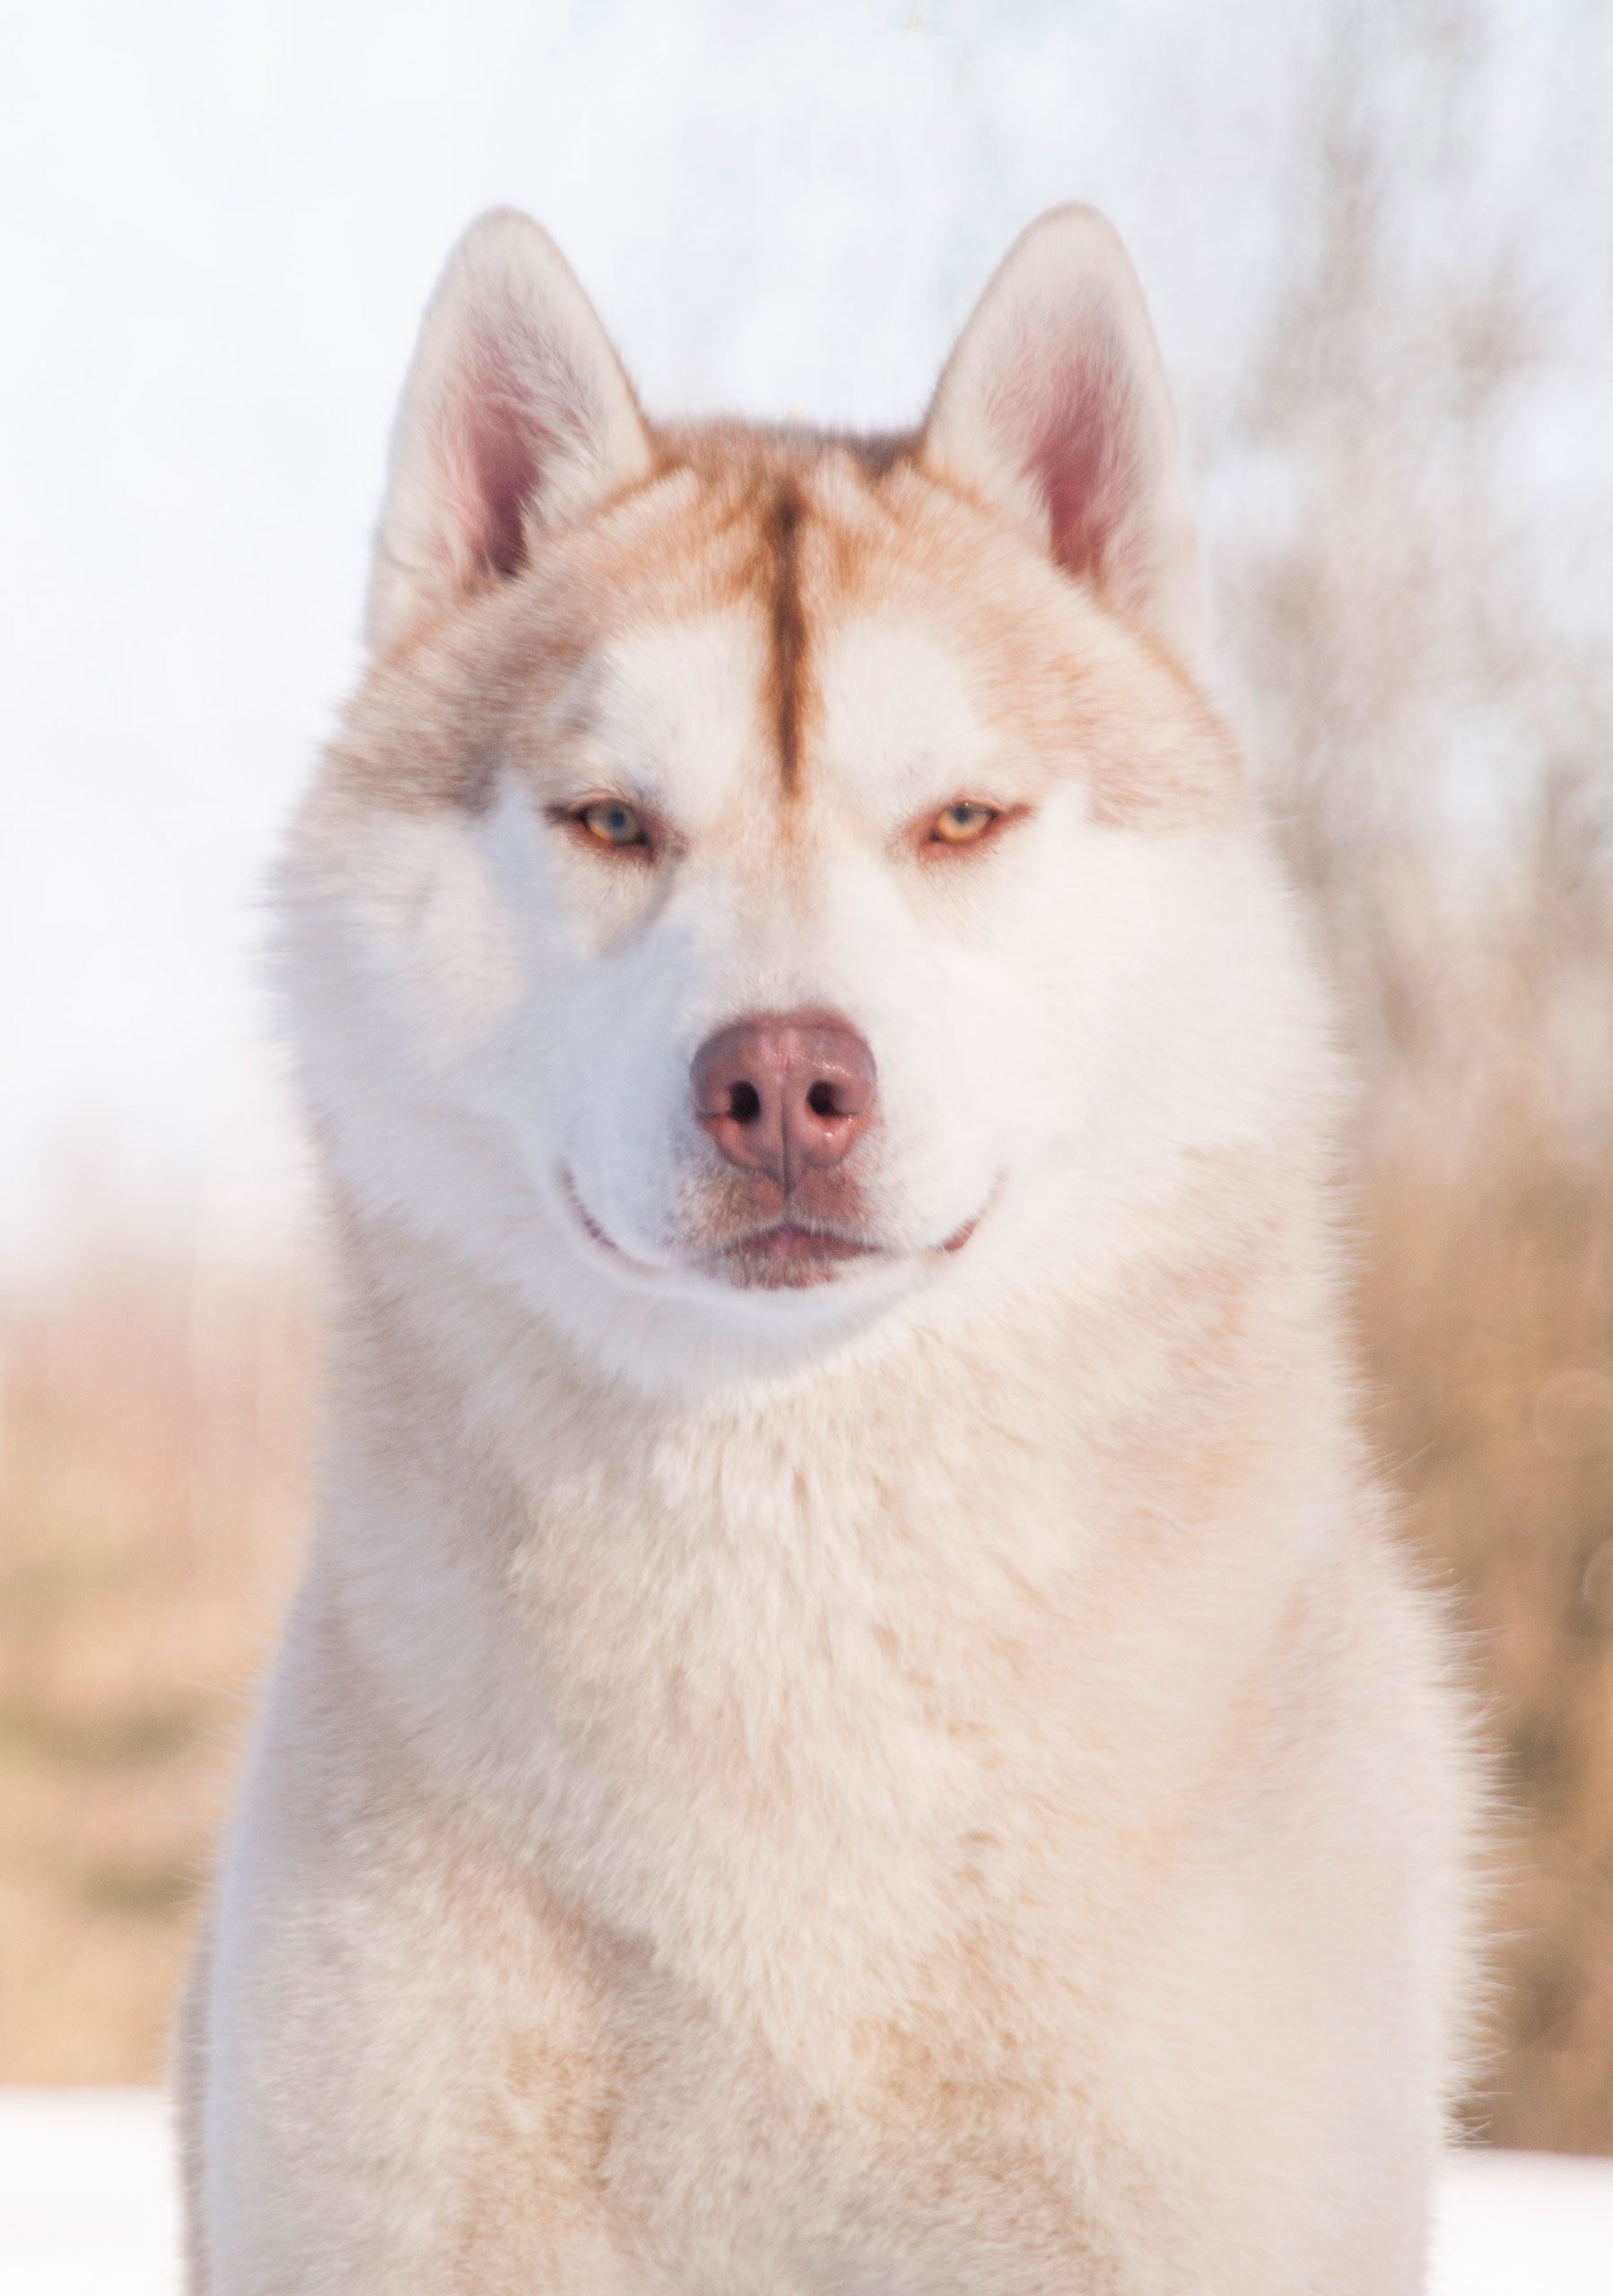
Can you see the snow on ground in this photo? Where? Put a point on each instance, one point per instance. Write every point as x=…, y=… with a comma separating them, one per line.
x=87, y=2200
x=88, y=2207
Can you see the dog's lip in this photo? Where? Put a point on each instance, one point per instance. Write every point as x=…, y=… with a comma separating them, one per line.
x=791, y=1240
x=785, y=1241
x=786, y=1255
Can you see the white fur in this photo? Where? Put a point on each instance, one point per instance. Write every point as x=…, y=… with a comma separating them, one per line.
x=934, y=1782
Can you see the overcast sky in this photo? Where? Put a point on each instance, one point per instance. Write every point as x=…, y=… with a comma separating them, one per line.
x=218, y=224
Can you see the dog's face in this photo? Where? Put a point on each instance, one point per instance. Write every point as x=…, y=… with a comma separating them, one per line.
x=758, y=872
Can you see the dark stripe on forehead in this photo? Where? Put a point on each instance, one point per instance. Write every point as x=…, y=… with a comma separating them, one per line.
x=789, y=630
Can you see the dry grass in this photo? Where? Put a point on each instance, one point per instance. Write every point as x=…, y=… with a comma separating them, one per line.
x=152, y=1448
x=1408, y=649
x=1487, y=1323
x=1490, y=1322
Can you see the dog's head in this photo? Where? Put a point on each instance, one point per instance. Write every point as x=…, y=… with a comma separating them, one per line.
x=762, y=874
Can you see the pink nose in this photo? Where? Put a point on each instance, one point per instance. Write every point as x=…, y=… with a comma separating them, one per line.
x=784, y=1094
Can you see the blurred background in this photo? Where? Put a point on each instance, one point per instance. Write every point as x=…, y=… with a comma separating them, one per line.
x=1376, y=241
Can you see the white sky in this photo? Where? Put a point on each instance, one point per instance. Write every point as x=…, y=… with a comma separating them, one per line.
x=218, y=224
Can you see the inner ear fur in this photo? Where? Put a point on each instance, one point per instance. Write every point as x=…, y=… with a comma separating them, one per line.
x=516, y=416
x=1053, y=411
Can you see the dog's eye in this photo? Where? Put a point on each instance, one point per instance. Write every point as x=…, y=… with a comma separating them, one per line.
x=612, y=821
x=962, y=823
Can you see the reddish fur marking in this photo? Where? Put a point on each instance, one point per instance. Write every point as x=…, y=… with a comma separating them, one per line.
x=789, y=629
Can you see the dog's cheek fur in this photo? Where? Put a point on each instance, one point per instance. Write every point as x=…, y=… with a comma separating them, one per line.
x=406, y=949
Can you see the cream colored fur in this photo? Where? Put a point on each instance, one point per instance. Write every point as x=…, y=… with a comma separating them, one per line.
x=935, y=1781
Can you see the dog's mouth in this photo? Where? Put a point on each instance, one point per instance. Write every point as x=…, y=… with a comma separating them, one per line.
x=782, y=1256
x=788, y=1258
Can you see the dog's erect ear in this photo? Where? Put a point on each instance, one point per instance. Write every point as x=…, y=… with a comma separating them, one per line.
x=516, y=415
x=1053, y=409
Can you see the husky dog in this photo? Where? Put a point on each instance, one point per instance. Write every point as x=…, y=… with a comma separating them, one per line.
x=855, y=1726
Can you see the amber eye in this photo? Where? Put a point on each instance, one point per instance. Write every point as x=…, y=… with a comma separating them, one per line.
x=962, y=823
x=612, y=821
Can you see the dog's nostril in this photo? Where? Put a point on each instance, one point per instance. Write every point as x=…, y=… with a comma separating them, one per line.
x=820, y=1100
x=745, y=1103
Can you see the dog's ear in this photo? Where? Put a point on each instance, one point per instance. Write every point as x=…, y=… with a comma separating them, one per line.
x=516, y=415
x=1053, y=410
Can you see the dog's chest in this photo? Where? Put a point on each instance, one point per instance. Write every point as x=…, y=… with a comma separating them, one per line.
x=800, y=1742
